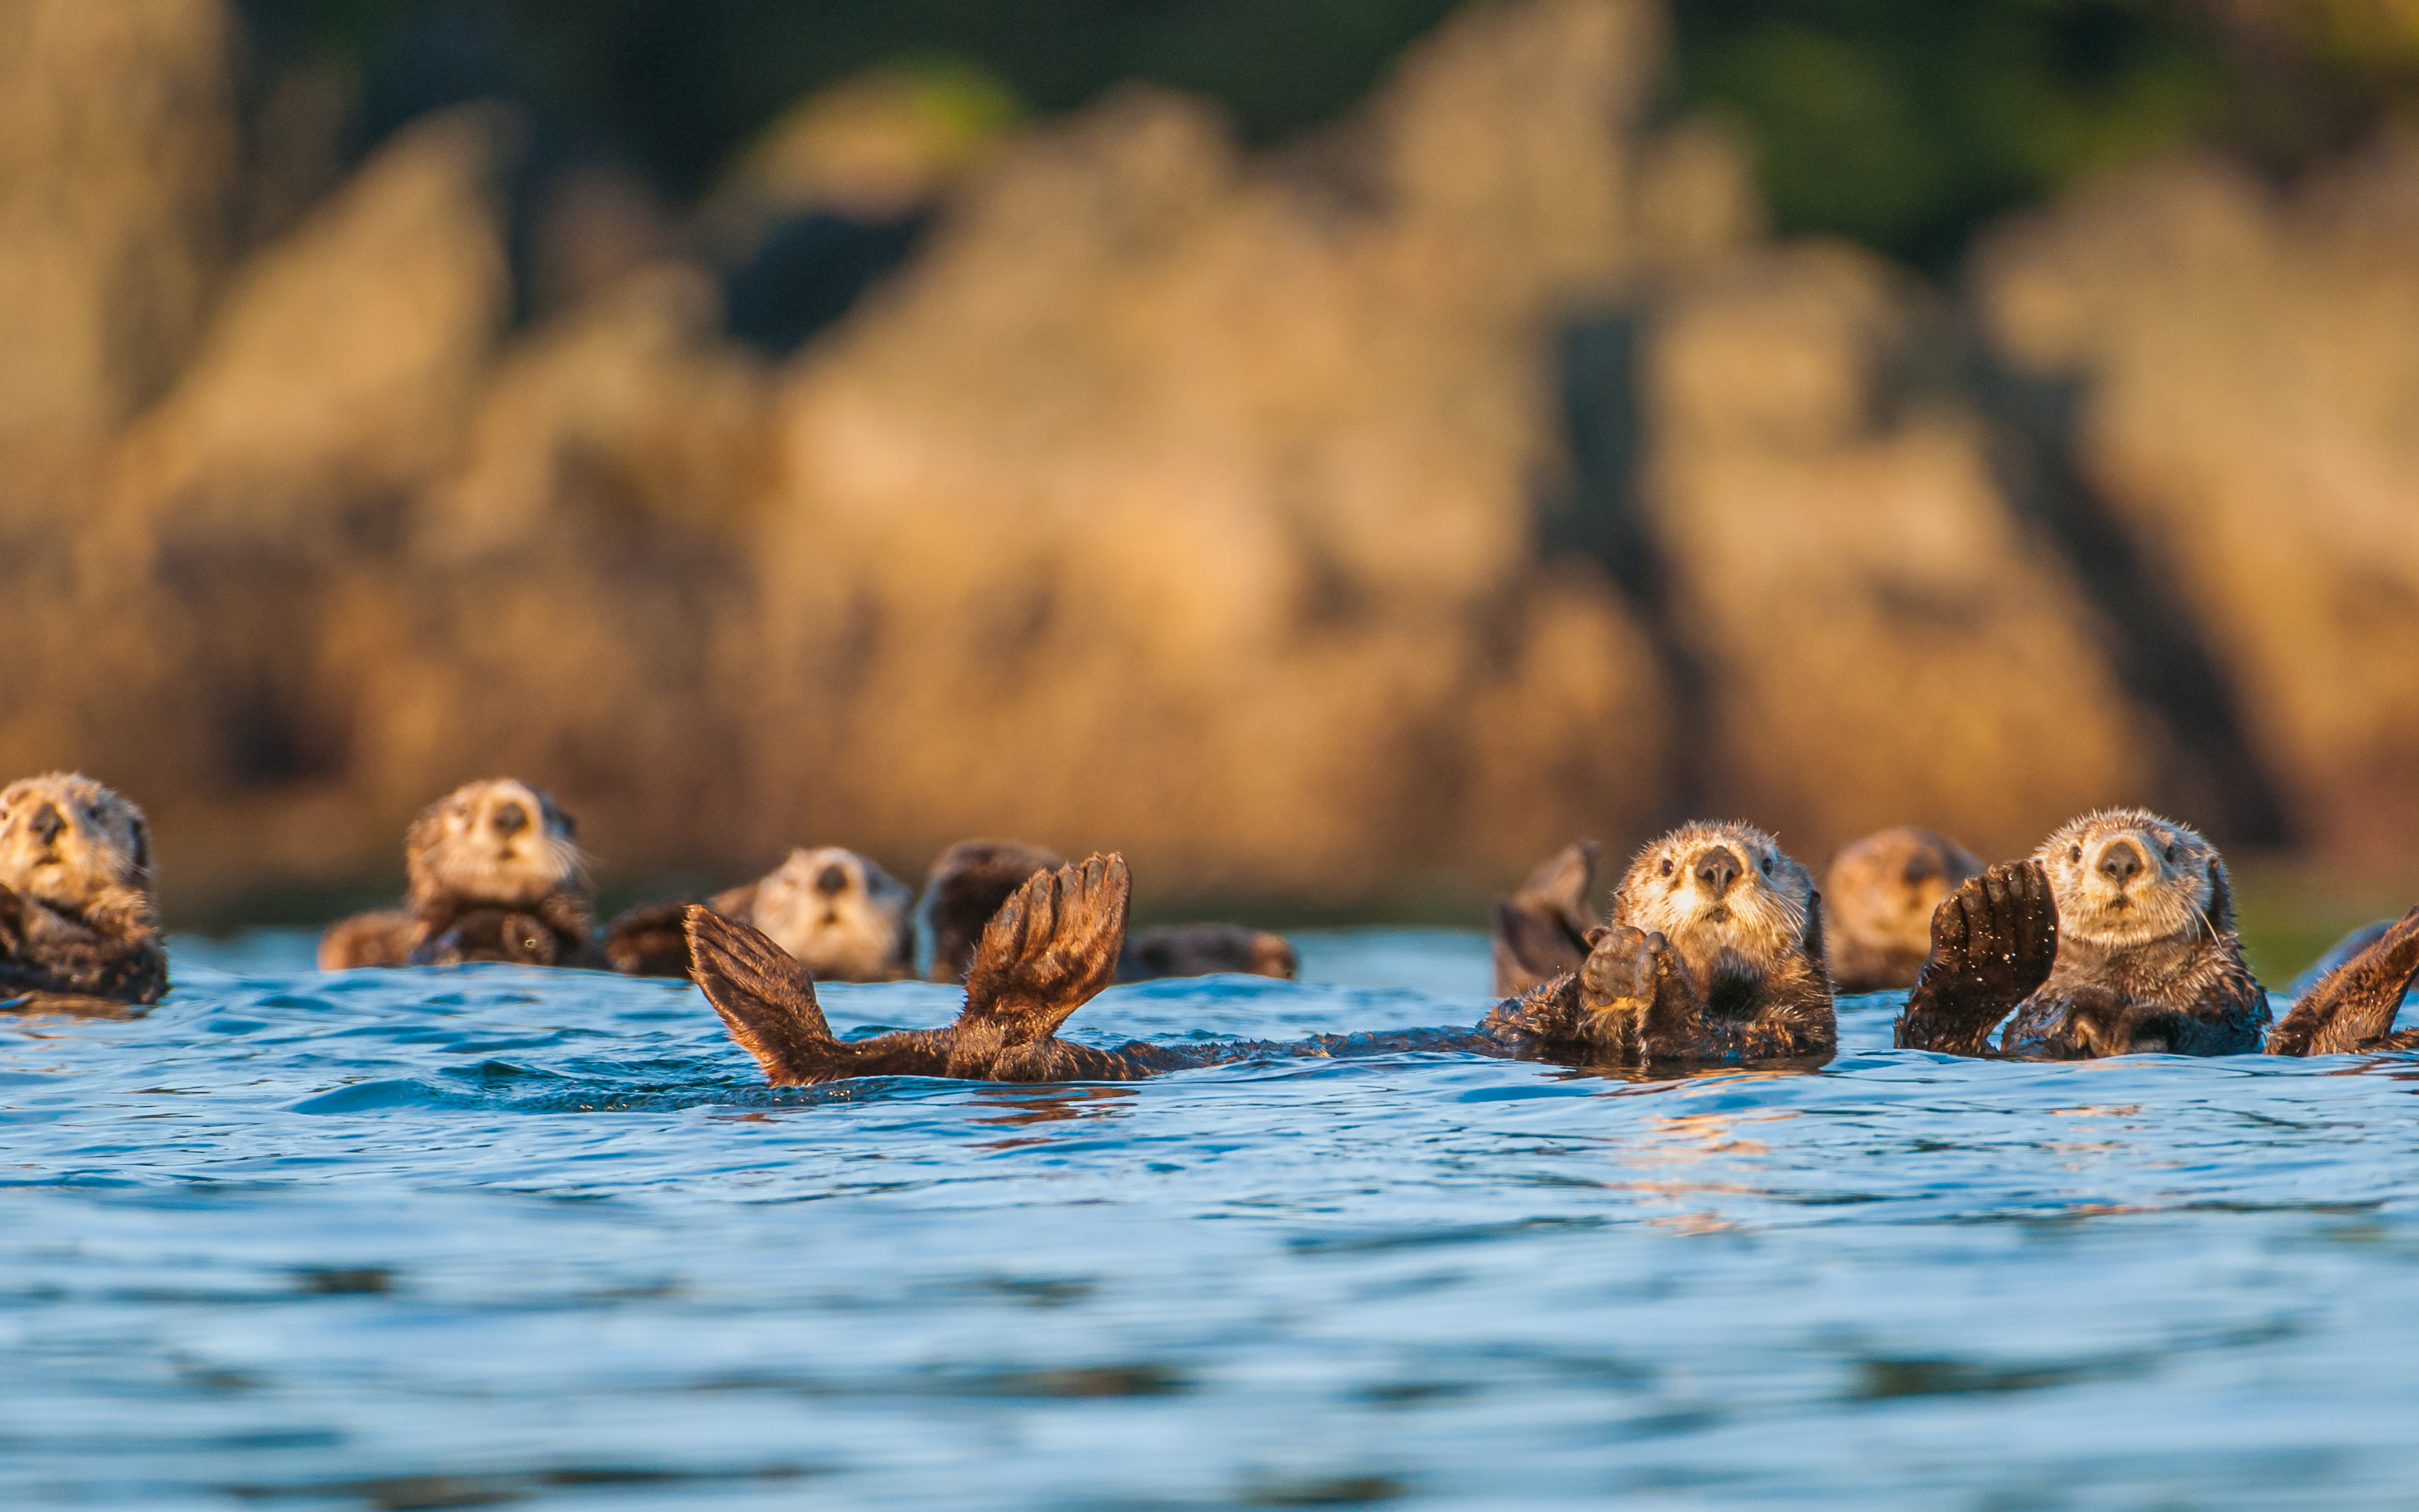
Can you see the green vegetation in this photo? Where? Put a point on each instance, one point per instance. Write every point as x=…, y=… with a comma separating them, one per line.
x=1901, y=123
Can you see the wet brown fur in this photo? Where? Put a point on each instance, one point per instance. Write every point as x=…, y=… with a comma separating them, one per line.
x=2116, y=937
x=78, y=932
x=2351, y=1009
x=969, y=882
x=1714, y=955
x=1047, y=950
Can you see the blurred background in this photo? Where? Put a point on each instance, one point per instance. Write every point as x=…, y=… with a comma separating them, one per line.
x=1336, y=450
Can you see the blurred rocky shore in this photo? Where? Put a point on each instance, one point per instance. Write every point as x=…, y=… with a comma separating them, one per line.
x=1402, y=501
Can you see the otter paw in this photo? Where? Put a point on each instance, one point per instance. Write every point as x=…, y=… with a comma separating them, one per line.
x=1998, y=931
x=1620, y=972
x=1993, y=941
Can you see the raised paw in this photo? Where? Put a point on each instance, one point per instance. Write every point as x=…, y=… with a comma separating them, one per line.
x=1993, y=941
x=1998, y=931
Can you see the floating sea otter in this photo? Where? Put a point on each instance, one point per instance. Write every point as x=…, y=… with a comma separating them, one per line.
x=974, y=878
x=1714, y=956
x=1879, y=894
x=494, y=875
x=2118, y=938
x=77, y=931
x=843, y=915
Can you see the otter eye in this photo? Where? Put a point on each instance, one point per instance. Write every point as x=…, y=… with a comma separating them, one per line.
x=2075, y=855
x=1667, y=866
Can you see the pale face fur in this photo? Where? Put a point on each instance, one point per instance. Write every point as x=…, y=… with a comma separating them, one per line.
x=1880, y=892
x=496, y=841
x=837, y=913
x=1725, y=895
x=2126, y=876
x=68, y=842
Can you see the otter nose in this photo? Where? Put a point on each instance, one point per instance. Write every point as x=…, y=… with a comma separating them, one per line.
x=1719, y=868
x=510, y=820
x=831, y=879
x=47, y=823
x=2121, y=861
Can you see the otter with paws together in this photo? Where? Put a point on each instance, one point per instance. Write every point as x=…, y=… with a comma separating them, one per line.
x=77, y=931
x=494, y=875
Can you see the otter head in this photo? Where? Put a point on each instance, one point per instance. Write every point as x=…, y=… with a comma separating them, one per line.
x=68, y=841
x=1879, y=894
x=1725, y=895
x=2126, y=876
x=496, y=841
x=837, y=913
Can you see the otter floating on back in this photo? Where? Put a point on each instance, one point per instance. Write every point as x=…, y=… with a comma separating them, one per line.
x=1727, y=969
x=839, y=912
x=1878, y=897
x=495, y=874
x=2117, y=937
x=78, y=933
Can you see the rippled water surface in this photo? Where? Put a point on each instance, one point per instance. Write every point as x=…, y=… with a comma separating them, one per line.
x=485, y=1236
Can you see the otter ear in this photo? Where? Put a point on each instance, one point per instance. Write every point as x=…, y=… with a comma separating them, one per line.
x=1814, y=927
x=141, y=831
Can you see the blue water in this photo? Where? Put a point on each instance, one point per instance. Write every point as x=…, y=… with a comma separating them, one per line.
x=487, y=1236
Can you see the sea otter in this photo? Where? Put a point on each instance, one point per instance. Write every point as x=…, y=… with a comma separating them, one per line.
x=1715, y=953
x=968, y=884
x=1727, y=970
x=495, y=874
x=1159, y=950
x=78, y=934
x=835, y=911
x=2117, y=937
x=972, y=879
x=1878, y=897
x=1541, y=931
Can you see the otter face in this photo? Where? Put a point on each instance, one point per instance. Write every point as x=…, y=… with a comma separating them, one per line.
x=1718, y=888
x=2126, y=876
x=66, y=840
x=1880, y=892
x=496, y=841
x=845, y=918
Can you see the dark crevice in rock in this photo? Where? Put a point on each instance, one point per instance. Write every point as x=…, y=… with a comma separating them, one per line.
x=2157, y=653
x=1598, y=512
